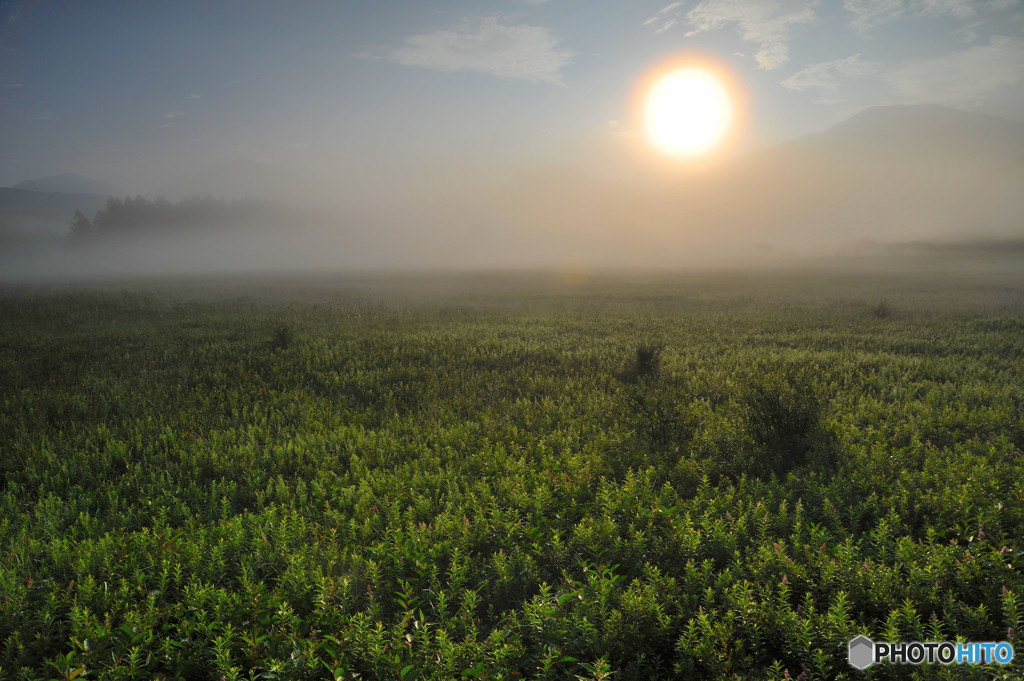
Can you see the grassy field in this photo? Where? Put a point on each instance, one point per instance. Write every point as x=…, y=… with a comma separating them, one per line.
x=507, y=476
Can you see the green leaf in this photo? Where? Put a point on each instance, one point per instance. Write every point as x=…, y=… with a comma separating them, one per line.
x=566, y=597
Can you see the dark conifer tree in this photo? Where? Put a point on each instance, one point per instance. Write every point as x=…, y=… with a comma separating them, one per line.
x=81, y=226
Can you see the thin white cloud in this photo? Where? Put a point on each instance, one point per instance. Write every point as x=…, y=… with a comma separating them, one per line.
x=767, y=23
x=170, y=117
x=826, y=75
x=966, y=78
x=961, y=9
x=487, y=45
x=868, y=14
x=969, y=33
x=665, y=18
x=194, y=96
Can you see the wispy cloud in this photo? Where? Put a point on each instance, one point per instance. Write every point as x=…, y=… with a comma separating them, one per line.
x=767, y=23
x=948, y=8
x=665, y=18
x=12, y=85
x=826, y=75
x=170, y=117
x=966, y=78
x=868, y=14
x=194, y=96
x=42, y=116
x=487, y=45
x=969, y=33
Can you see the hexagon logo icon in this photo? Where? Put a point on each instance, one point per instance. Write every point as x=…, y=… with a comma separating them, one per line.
x=862, y=652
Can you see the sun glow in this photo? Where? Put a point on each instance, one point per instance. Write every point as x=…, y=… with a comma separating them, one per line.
x=687, y=112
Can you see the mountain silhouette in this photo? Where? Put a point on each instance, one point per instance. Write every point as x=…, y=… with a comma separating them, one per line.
x=69, y=183
x=893, y=173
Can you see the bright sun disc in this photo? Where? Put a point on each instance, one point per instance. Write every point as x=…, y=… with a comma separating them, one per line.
x=687, y=112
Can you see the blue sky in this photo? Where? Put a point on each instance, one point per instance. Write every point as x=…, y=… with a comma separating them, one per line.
x=140, y=92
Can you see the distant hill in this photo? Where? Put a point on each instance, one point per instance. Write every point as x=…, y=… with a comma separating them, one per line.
x=916, y=174
x=898, y=172
x=927, y=127
x=30, y=220
x=887, y=174
x=69, y=183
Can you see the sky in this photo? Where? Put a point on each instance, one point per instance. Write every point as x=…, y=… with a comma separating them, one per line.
x=140, y=93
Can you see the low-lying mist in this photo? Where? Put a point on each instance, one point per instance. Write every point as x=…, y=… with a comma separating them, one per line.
x=889, y=177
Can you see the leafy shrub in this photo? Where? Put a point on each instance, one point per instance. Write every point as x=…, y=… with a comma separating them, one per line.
x=883, y=309
x=662, y=415
x=785, y=417
x=646, y=363
x=282, y=336
x=661, y=412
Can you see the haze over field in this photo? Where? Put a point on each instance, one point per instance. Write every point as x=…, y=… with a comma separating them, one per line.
x=509, y=134
x=511, y=339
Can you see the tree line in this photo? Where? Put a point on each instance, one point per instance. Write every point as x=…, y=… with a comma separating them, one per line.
x=137, y=216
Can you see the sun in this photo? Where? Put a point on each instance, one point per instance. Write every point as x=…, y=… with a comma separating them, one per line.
x=687, y=111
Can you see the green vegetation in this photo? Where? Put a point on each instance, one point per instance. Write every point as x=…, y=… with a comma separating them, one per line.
x=131, y=218
x=701, y=477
